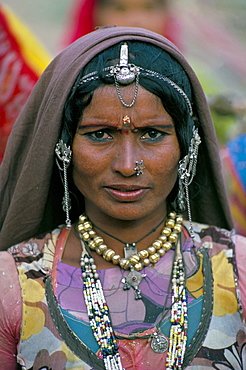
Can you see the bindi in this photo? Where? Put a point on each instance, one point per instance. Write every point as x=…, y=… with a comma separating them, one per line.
x=127, y=125
x=126, y=121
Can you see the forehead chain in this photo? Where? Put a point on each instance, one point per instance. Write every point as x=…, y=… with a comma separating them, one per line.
x=125, y=73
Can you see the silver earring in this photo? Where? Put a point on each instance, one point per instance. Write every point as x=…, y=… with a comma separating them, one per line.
x=64, y=154
x=180, y=201
x=124, y=74
x=139, y=167
x=186, y=173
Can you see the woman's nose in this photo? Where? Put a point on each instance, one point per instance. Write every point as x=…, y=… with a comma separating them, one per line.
x=125, y=159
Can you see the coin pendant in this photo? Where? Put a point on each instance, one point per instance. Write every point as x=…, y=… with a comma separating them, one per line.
x=159, y=343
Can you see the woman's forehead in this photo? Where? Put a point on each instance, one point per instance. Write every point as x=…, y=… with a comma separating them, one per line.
x=106, y=109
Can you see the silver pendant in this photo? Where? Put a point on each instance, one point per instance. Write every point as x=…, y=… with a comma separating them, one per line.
x=130, y=249
x=132, y=280
x=125, y=76
x=159, y=343
x=124, y=72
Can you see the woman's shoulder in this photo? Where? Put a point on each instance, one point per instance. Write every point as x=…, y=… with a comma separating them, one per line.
x=240, y=243
x=227, y=249
x=33, y=247
x=7, y=263
x=217, y=239
x=10, y=297
x=8, y=273
x=33, y=257
x=217, y=235
x=29, y=254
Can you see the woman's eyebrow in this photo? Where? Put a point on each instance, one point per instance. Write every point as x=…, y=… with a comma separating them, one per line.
x=168, y=125
x=95, y=125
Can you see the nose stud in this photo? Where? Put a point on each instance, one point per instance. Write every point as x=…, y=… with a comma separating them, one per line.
x=139, y=167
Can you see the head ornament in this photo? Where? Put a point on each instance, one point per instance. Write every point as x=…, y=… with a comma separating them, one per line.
x=125, y=73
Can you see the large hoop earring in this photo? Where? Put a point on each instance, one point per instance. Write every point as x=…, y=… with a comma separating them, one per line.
x=64, y=154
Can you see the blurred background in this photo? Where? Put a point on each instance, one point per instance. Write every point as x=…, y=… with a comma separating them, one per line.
x=211, y=34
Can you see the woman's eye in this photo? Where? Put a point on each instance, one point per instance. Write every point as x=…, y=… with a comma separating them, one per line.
x=153, y=135
x=100, y=135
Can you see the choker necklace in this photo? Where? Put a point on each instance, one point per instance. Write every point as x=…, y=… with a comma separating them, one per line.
x=138, y=260
x=130, y=248
x=134, y=262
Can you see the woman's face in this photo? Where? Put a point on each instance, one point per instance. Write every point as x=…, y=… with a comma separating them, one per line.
x=134, y=13
x=105, y=154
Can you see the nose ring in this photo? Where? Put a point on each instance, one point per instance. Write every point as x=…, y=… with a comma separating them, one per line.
x=139, y=167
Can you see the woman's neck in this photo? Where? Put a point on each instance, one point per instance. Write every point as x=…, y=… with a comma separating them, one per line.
x=144, y=229
x=115, y=233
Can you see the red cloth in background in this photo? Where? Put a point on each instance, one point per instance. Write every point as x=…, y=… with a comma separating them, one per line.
x=17, y=75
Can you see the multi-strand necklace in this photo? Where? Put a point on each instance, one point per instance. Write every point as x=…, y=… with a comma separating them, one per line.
x=97, y=308
x=133, y=260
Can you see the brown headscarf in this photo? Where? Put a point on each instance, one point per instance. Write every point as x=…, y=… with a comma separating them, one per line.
x=30, y=194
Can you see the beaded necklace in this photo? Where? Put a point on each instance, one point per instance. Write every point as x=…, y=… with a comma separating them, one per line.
x=136, y=261
x=98, y=314
x=97, y=308
x=179, y=317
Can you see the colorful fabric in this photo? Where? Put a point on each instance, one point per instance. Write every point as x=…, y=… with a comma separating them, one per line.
x=22, y=60
x=221, y=346
x=234, y=164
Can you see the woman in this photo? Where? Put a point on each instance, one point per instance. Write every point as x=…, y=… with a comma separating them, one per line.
x=85, y=15
x=117, y=133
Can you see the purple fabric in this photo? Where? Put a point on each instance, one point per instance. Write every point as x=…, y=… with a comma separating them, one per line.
x=127, y=314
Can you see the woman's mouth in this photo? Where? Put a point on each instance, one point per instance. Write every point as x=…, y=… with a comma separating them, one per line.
x=124, y=193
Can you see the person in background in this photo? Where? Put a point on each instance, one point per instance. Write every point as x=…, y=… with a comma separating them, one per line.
x=156, y=15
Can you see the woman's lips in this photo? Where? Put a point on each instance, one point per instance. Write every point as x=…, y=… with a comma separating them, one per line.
x=126, y=193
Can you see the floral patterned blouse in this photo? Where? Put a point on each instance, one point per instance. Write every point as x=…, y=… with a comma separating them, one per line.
x=44, y=322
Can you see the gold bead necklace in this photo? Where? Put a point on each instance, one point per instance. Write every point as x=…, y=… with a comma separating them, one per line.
x=136, y=261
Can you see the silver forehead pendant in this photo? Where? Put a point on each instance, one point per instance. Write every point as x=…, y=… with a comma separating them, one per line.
x=124, y=74
x=159, y=343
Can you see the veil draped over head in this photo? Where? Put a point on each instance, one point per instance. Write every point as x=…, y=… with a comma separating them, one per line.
x=30, y=187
